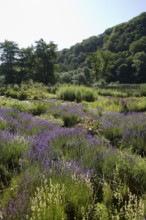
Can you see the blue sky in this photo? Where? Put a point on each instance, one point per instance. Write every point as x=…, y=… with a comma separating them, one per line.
x=65, y=22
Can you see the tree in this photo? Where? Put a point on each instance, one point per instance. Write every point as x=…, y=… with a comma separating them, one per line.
x=79, y=79
x=66, y=77
x=44, y=61
x=103, y=65
x=9, y=56
x=74, y=63
x=125, y=70
x=139, y=63
x=87, y=75
x=26, y=63
x=138, y=46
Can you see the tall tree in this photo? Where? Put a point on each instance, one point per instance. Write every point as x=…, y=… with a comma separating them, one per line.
x=26, y=63
x=9, y=55
x=103, y=65
x=44, y=61
x=139, y=63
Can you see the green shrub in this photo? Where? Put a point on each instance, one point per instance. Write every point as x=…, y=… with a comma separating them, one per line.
x=133, y=105
x=143, y=89
x=22, y=95
x=57, y=198
x=20, y=106
x=76, y=93
x=101, y=212
x=111, y=92
x=3, y=124
x=12, y=93
x=5, y=177
x=119, y=202
x=38, y=108
x=11, y=151
x=48, y=201
x=113, y=134
x=70, y=120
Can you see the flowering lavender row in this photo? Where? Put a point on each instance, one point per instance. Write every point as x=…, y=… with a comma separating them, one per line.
x=31, y=147
x=126, y=131
x=23, y=123
x=51, y=141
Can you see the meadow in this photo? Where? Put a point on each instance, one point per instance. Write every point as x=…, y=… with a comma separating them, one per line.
x=72, y=152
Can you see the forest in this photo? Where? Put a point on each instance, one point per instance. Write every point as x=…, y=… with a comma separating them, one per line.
x=117, y=55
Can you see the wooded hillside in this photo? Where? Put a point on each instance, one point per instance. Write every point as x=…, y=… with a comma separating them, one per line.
x=117, y=55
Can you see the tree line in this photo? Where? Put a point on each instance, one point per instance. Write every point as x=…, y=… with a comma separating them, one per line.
x=34, y=62
x=117, y=55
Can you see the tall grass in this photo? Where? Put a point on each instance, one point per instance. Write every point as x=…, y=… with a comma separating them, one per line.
x=143, y=89
x=76, y=93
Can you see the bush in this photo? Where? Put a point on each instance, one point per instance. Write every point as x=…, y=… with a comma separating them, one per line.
x=5, y=177
x=76, y=93
x=70, y=120
x=16, y=93
x=143, y=89
x=38, y=108
x=57, y=200
x=22, y=95
x=12, y=148
x=11, y=93
x=119, y=202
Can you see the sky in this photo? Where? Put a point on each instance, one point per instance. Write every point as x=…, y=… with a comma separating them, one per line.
x=65, y=22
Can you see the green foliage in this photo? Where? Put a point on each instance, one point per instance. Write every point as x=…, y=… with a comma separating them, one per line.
x=5, y=176
x=38, y=108
x=9, y=53
x=11, y=92
x=69, y=147
x=77, y=56
x=12, y=150
x=49, y=196
x=143, y=89
x=139, y=64
x=29, y=90
x=109, y=56
x=57, y=200
x=113, y=134
x=112, y=92
x=101, y=212
x=48, y=202
x=70, y=120
x=118, y=54
x=133, y=105
x=138, y=46
x=35, y=63
x=119, y=202
x=76, y=93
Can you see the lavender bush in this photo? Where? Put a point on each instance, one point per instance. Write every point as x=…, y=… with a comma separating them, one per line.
x=80, y=166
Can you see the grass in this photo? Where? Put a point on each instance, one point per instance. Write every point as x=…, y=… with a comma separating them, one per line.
x=119, y=90
x=143, y=89
x=115, y=104
x=76, y=93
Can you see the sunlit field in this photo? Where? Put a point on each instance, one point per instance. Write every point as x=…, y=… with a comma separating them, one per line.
x=78, y=153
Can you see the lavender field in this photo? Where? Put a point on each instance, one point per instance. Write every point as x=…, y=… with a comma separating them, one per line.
x=62, y=160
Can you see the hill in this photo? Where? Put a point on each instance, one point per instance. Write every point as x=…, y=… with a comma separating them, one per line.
x=118, y=54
